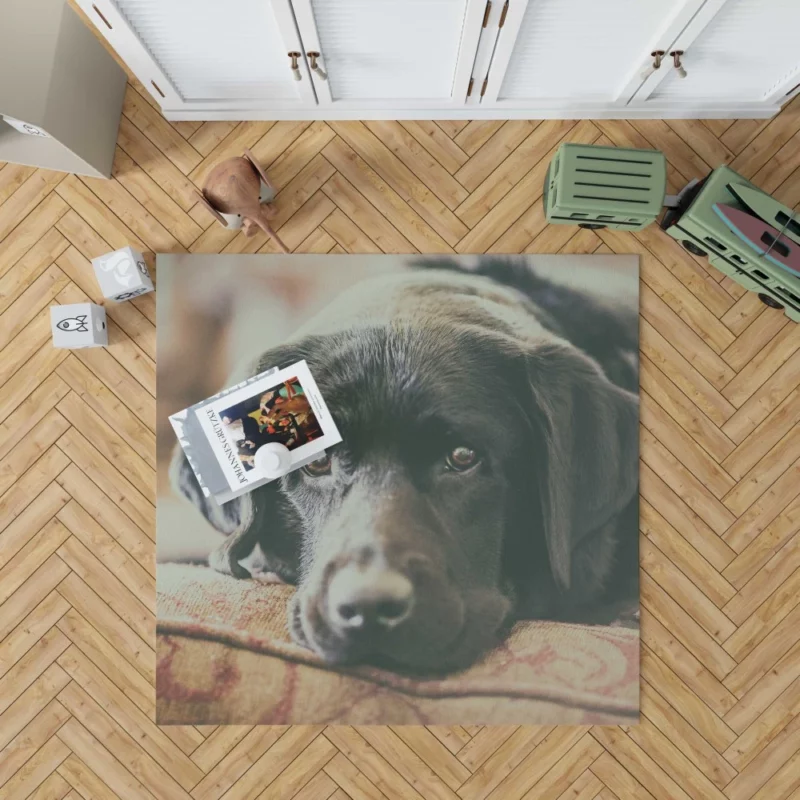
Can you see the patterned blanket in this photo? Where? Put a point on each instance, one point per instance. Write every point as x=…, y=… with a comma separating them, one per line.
x=224, y=656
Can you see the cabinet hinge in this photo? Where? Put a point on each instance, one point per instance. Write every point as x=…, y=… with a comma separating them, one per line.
x=487, y=12
x=483, y=88
x=503, y=15
x=469, y=88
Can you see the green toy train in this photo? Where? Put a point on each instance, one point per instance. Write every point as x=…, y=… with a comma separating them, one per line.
x=597, y=187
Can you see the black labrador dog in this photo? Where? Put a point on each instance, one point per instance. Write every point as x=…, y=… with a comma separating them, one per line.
x=488, y=470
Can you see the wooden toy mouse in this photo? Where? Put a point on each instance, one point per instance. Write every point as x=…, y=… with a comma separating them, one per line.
x=233, y=189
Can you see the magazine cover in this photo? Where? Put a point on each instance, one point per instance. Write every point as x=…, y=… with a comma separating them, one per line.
x=282, y=406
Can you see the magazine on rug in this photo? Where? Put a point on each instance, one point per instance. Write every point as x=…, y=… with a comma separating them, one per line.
x=222, y=434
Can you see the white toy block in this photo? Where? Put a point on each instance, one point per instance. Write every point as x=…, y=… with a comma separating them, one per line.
x=122, y=274
x=78, y=325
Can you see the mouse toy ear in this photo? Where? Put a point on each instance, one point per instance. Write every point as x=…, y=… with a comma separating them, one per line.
x=257, y=167
x=213, y=211
x=590, y=429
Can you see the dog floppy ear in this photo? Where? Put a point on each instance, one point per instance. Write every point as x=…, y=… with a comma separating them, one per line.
x=229, y=518
x=259, y=517
x=233, y=519
x=590, y=429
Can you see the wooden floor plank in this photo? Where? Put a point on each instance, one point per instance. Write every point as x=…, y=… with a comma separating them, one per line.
x=84, y=781
x=763, y=583
x=209, y=135
x=423, y=219
x=25, y=199
x=685, y=413
x=298, y=153
x=690, y=742
x=682, y=555
x=487, y=194
x=160, y=132
x=365, y=216
x=19, y=278
x=30, y=231
x=768, y=616
x=419, y=161
x=682, y=446
x=109, y=771
x=105, y=657
x=510, y=753
x=475, y=134
x=437, y=143
x=153, y=161
x=492, y=154
x=120, y=745
x=12, y=176
x=777, y=390
x=127, y=570
x=32, y=737
x=90, y=605
x=152, y=197
x=236, y=762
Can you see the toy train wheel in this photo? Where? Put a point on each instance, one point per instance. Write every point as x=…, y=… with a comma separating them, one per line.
x=592, y=226
x=769, y=301
x=693, y=248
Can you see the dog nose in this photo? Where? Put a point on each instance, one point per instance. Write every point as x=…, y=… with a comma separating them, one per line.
x=363, y=598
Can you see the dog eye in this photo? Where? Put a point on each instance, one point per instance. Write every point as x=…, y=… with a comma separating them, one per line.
x=462, y=458
x=318, y=468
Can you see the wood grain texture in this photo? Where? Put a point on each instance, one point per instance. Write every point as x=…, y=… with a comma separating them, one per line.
x=720, y=511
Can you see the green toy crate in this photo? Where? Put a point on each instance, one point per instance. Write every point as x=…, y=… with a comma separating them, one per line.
x=695, y=224
x=605, y=187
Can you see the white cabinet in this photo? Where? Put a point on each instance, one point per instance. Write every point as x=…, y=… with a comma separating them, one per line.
x=306, y=59
x=379, y=53
x=208, y=54
x=554, y=52
x=735, y=51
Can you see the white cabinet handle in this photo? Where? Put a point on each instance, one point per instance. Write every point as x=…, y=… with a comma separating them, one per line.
x=294, y=65
x=676, y=60
x=313, y=56
x=657, y=55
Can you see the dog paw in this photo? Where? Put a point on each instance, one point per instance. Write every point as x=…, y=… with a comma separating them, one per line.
x=222, y=560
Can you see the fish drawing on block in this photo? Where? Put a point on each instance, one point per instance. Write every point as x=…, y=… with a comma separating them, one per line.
x=74, y=324
x=763, y=238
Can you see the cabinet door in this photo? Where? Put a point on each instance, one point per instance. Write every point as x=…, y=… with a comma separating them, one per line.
x=390, y=53
x=207, y=53
x=561, y=53
x=745, y=51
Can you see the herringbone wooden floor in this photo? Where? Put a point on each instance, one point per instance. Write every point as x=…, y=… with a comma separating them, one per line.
x=720, y=468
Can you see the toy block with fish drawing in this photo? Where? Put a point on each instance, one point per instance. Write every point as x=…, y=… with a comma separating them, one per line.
x=78, y=325
x=122, y=275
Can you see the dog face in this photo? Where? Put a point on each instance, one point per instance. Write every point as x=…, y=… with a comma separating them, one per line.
x=477, y=457
x=403, y=523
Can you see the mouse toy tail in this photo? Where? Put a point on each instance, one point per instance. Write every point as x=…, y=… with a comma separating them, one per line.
x=263, y=223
